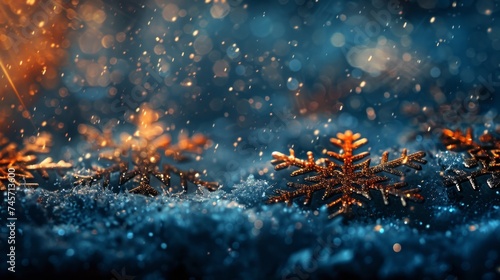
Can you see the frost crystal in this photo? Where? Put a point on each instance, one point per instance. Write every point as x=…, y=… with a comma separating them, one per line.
x=347, y=180
x=485, y=155
x=23, y=161
x=142, y=151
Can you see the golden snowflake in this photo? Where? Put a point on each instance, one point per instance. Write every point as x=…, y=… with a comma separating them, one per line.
x=22, y=162
x=484, y=156
x=345, y=181
x=143, y=150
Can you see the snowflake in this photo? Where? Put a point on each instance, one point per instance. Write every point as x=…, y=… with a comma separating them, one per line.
x=22, y=162
x=485, y=155
x=142, y=150
x=345, y=181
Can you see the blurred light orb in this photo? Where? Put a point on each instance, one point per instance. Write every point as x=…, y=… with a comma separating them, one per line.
x=486, y=7
x=240, y=70
x=427, y=4
x=203, y=45
x=90, y=41
x=170, y=12
x=221, y=68
x=261, y=27
x=233, y=51
x=292, y=83
x=435, y=72
x=295, y=65
x=337, y=40
x=220, y=10
x=371, y=60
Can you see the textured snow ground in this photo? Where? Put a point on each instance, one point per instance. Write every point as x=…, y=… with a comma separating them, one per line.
x=232, y=234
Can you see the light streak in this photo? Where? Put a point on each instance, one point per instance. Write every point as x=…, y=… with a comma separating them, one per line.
x=13, y=86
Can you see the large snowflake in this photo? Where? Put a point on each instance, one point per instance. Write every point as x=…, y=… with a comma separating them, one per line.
x=143, y=151
x=345, y=181
x=484, y=156
x=21, y=162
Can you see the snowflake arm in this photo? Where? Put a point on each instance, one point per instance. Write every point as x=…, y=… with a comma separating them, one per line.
x=47, y=164
x=395, y=190
x=100, y=174
x=456, y=140
x=299, y=190
x=165, y=177
x=461, y=176
x=186, y=145
x=282, y=161
x=97, y=138
x=413, y=161
x=344, y=204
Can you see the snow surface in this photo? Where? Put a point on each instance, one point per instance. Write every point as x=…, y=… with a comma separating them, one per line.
x=232, y=234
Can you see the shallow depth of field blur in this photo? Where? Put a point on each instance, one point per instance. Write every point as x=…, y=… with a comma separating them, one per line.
x=254, y=77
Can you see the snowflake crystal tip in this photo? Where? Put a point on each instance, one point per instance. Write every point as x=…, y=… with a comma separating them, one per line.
x=485, y=155
x=345, y=181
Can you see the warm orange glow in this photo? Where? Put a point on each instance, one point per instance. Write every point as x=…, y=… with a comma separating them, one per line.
x=32, y=45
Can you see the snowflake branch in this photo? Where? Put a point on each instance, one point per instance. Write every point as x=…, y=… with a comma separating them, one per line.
x=23, y=160
x=99, y=173
x=282, y=161
x=395, y=190
x=405, y=159
x=346, y=202
x=301, y=190
x=463, y=176
x=456, y=140
x=185, y=144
